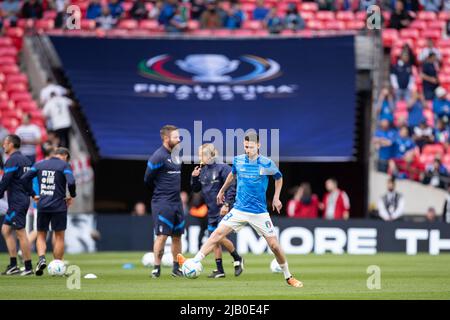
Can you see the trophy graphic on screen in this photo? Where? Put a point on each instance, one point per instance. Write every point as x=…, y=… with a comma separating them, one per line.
x=208, y=67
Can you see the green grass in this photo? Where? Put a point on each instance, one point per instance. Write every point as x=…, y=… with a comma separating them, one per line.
x=324, y=277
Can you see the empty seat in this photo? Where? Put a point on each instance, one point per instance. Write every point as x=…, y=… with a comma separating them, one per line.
x=309, y=6
x=433, y=149
x=409, y=33
x=325, y=15
x=426, y=15
x=128, y=24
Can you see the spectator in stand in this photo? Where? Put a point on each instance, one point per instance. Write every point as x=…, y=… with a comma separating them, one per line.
x=386, y=105
x=52, y=139
x=50, y=87
x=404, y=145
x=57, y=110
x=177, y=23
x=138, y=11
x=441, y=133
x=304, y=204
x=412, y=57
x=400, y=18
x=431, y=216
x=30, y=134
x=140, y=209
x=335, y=204
x=116, y=9
x=235, y=17
x=415, y=110
x=402, y=79
x=9, y=11
x=106, y=21
x=430, y=48
x=94, y=10
x=431, y=5
x=392, y=204
x=441, y=105
x=365, y=4
x=3, y=133
x=423, y=134
x=412, y=5
x=326, y=5
x=32, y=9
x=274, y=23
x=446, y=210
x=60, y=6
x=293, y=20
x=197, y=9
x=384, y=139
x=168, y=11
x=261, y=11
x=436, y=174
x=430, y=80
x=156, y=10
x=210, y=18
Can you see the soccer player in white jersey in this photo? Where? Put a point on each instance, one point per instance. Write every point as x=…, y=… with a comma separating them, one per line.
x=252, y=172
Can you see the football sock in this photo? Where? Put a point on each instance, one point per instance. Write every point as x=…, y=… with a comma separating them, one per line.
x=285, y=269
x=235, y=255
x=219, y=265
x=41, y=258
x=199, y=256
x=176, y=266
x=28, y=265
x=157, y=267
x=12, y=261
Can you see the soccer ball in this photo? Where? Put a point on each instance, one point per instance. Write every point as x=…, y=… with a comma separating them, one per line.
x=56, y=268
x=275, y=267
x=148, y=260
x=192, y=268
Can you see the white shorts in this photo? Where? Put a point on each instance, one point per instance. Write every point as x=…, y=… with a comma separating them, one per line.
x=261, y=222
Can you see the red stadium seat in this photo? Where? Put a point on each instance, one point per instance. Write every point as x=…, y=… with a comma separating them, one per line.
x=418, y=24
x=334, y=25
x=409, y=33
x=50, y=15
x=432, y=33
x=315, y=25
x=355, y=25
x=345, y=16
x=127, y=6
x=222, y=32
x=27, y=106
x=20, y=96
x=361, y=15
x=400, y=116
x=251, y=25
x=389, y=37
x=429, y=116
x=5, y=42
x=427, y=159
x=8, y=60
x=436, y=24
x=44, y=24
x=325, y=15
x=9, y=69
x=194, y=25
x=433, y=149
x=443, y=43
x=128, y=24
x=309, y=6
x=401, y=105
x=14, y=32
x=149, y=25
x=444, y=15
x=8, y=51
x=87, y=24
x=25, y=23
x=17, y=78
x=426, y=15
x=11, y=87
x=287, y=32
x=202, y=32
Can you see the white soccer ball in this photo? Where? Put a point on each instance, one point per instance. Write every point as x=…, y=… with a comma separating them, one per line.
x=148, y=260
x=275, y=267
x=167, y=260
x=192, y=268
x=56, y=268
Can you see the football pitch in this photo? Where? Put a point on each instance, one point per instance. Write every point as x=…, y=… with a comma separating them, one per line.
x=324, y=277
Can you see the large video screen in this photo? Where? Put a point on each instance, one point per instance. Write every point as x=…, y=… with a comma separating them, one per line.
x=300, y=91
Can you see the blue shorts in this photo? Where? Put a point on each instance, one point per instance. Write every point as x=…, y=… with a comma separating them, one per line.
x=168, y=219
x=17, y=219
x=58, y=221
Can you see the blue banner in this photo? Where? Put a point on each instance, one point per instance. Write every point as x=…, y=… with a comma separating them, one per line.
x=130, y=88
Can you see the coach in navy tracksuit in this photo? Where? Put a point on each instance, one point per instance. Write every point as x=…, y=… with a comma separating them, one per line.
x=209, y=178
x=18, y=203
x=54, y=176
x=163, y=174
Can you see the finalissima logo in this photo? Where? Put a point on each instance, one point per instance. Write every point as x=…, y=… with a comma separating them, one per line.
x=209, y=68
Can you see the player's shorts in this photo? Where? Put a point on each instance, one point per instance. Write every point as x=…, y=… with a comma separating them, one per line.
x=58, y=221
x=17, y=219
x=261, y=223
x=213, y=223
x=168, y=219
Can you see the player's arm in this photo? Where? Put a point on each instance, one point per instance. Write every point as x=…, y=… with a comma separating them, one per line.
x=228, y=182
x=230, y=194
x=71, y=183
x=195, y=179
x=8, y=174
x=276, y=203
x=26, y=180
x=154, y=165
